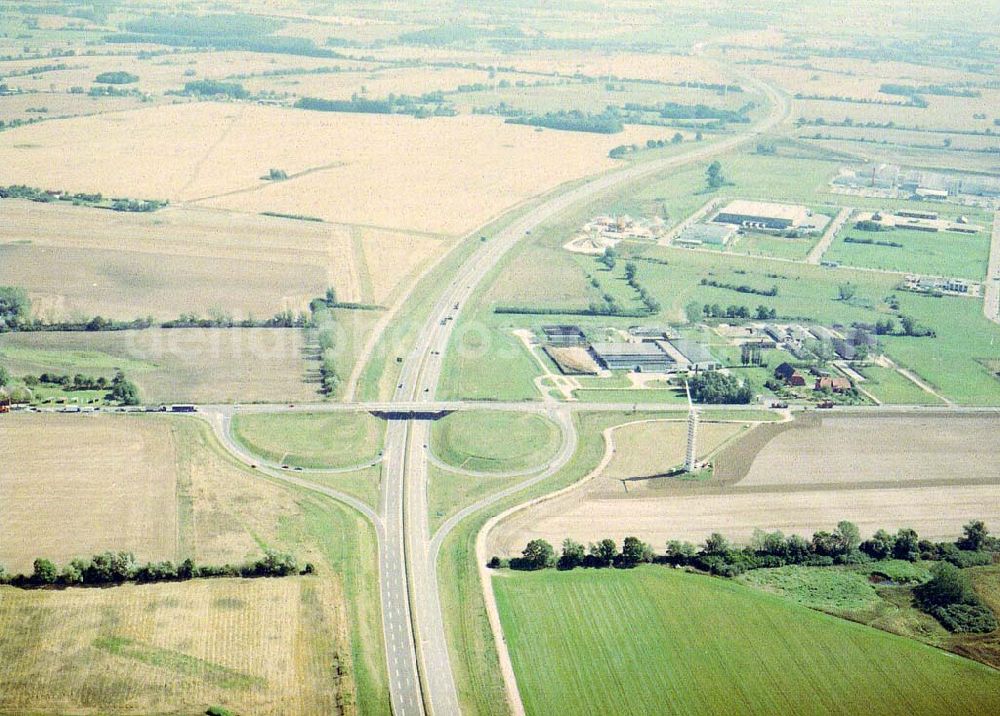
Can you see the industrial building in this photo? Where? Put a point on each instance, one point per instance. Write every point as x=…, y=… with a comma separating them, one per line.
x=764, y=215
x=708, y=234
x=645, y=357
x=697, y=356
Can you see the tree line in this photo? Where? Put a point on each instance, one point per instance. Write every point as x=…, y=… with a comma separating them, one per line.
x=740, y=288
x=115, y=568
x=948, y=595
x=95, y=200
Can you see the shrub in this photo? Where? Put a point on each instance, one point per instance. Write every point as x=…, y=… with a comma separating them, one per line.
x=966, y=558
x=966, y=618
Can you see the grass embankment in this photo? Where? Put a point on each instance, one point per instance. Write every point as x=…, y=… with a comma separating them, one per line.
x=490, y=441
x=891, y=387
x=314, y=440
x=470, y=639
x=449, y=492
x=885, y=602
x=654, y=639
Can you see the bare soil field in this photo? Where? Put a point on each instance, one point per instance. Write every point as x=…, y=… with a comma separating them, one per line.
x=798, y=479
x=76, y=485
x=262, y=646
x=188, y=364
x=343, y=167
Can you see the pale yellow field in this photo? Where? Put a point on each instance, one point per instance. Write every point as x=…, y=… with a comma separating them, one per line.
x=436, y=175
x=956, y=448
x=390, y=257
x=937, y=513
x=373, y=83
x=190, y=364
x=653, y=448
x=261, y=646
x=933, y=474
x=77, y=261
x=161, y=74
x=59, y=104
x=76, y=485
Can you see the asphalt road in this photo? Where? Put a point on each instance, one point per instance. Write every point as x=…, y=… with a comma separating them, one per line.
x=418, y=382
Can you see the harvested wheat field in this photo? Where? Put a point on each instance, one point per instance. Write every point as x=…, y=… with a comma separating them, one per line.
x=384, y=170
x=931, y=473
x=190, y=365
x=80, y=261
x=846, y=450
x=261, y=646
x=76, y=485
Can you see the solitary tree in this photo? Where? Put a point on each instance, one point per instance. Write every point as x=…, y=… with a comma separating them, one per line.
x=716, y=544
x=538, y=554
x=4, y=376
x=848, y=536
x=572, y=555
x=974, y=536
x=906, y=545
x=604, y=552
x=635, y=551
x=846, y=291
x=713, y=175
x=44, y=572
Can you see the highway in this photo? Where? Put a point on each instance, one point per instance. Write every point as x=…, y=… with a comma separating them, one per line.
x=417, y=658
x=418, y=382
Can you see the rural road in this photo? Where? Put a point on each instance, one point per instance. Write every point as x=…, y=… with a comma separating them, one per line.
x=816, y=255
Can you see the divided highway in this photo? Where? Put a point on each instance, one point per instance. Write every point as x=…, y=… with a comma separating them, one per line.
x=418, y=382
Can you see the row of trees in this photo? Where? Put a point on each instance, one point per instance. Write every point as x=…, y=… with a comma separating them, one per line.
x=741, y=288
x=573, y=121
x=948, y=595
x=717, y=555
x=111, y=568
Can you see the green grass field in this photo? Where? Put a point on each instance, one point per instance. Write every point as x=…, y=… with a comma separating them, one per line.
x=772, y=246
x=490, y=441
x=315, y=440
x=449, y=492
x=470, y=640
x=654, y=640
x=940, y=254
x=890, y=387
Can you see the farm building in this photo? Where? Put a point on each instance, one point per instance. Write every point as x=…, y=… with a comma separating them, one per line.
x=651, y=333
x=836, y=383
x=697, y=355
x=645, y=357
x=711, y=234
x=763, y=215
x=564, y=335
x=787, y=373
